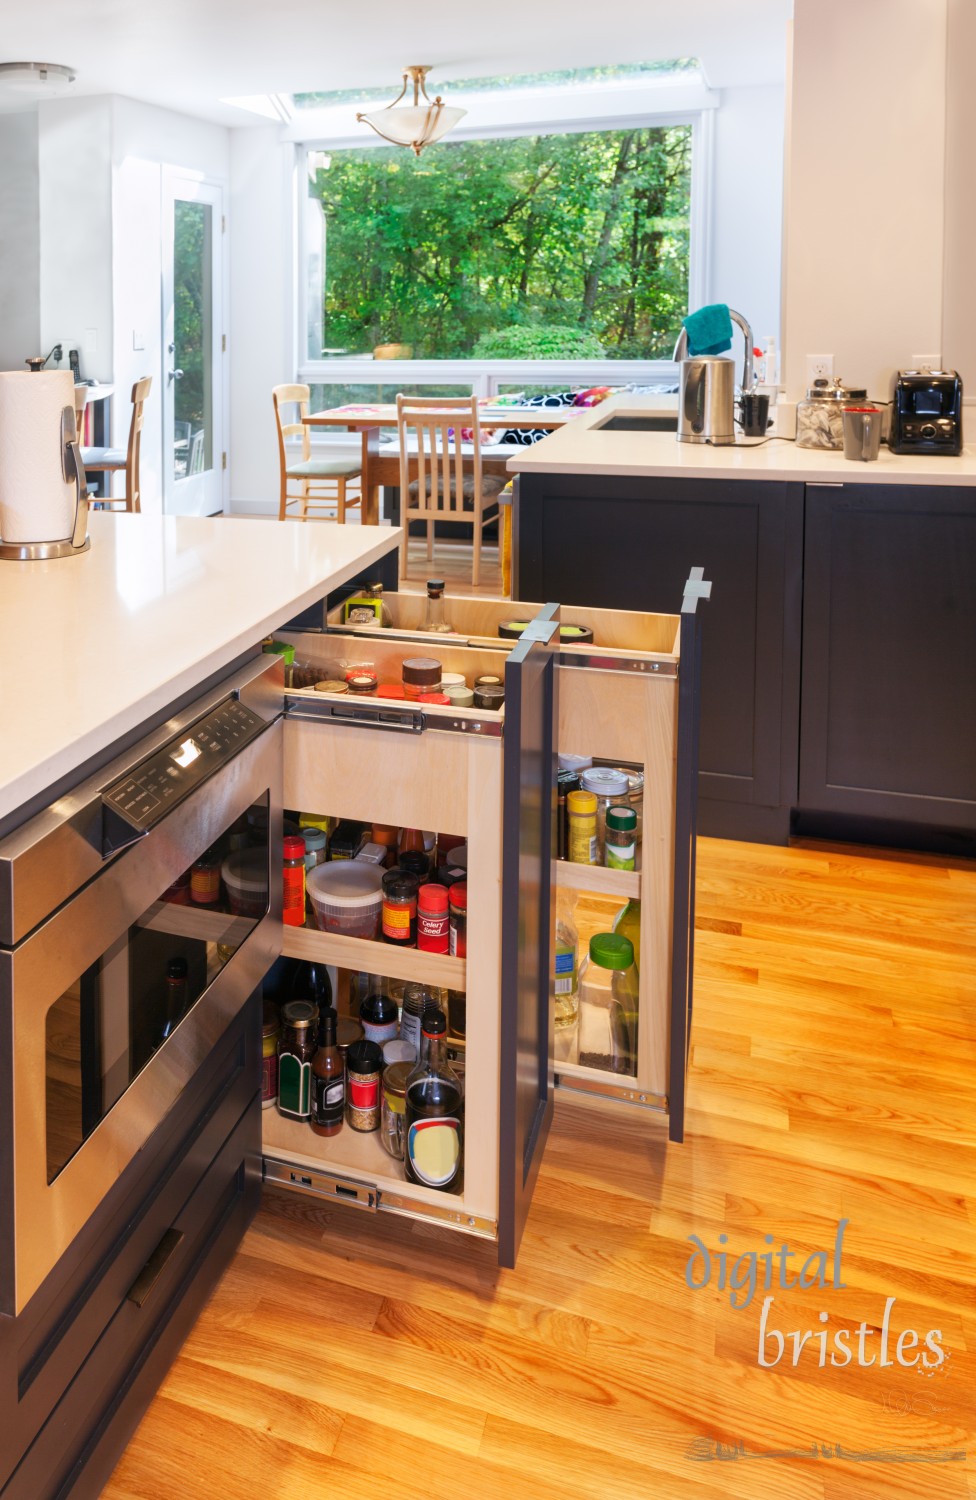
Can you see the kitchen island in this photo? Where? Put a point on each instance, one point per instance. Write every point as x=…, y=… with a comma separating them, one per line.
x=839, y=648
x=141, y=715
x=123, y=632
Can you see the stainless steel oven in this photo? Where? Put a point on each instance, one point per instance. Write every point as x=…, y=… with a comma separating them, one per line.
x=135, y=920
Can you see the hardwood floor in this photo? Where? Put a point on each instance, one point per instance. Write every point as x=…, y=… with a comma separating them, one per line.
x=832, y=1079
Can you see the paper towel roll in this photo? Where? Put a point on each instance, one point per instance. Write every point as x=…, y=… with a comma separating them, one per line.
x=35, y=503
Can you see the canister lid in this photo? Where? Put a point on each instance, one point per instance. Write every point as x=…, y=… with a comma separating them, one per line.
x=621, y=819
x=605, y=781
x=364, y=1057
x=432, y=898
x=400, y=885
x=293, y=847
x=458, y=895
x=825, y=390
x=395, y=1078
x=422, y=671
x=582, y=803
x=331, y=685
x=299, y=1014
x=611, y=951
x=346, y=882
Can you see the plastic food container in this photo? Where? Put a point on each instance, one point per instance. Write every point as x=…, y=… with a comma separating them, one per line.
x=245, y=876
x=347, y=898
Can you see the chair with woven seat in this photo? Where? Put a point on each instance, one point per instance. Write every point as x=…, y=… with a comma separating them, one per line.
x=438, y=480
x=116, y=460
x=323, y=481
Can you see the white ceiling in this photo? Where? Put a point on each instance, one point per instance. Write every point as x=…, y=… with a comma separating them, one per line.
x=189, y=54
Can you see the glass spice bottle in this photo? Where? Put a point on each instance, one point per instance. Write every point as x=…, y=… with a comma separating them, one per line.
x=205, y=880
x=296, y=1048
x=620, y=846
x=270, y=1032
x=328, y=1079
x=417, y=1001
x=458, y=930
x=434, y=617
x=293, y=881
x=364, y=1068
x=434, y=1146
x=399, y=919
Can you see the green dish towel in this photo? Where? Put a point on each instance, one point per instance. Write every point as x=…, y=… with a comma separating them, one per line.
x=709, y=329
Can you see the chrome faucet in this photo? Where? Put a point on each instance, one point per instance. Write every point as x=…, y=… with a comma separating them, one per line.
x=681, y=348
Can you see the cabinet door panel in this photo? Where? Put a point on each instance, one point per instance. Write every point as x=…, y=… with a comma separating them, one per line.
x=889, y=654
x=528, y=913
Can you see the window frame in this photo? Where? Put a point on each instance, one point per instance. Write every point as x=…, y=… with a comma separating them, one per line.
x=485, y=376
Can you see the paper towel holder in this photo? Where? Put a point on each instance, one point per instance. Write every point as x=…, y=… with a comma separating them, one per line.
x=72, y=468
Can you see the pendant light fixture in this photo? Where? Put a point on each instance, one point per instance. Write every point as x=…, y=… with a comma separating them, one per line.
x=35, y=80
x=418, y=124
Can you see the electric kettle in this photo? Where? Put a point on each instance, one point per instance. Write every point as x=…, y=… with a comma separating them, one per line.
x=706, y=404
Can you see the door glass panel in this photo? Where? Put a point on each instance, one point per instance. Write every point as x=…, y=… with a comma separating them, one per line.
x=192, y=351
x=104, y=1028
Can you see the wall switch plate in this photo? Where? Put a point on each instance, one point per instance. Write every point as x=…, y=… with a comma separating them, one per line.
x=819, y=367
x=138, y=339
x=90, y=341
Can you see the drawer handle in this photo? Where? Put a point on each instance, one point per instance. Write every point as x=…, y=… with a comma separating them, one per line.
x=142, y=1288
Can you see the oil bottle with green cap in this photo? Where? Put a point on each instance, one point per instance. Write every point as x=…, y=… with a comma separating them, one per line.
x=608, y=1005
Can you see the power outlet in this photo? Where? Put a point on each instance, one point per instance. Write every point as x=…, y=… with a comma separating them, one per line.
x=819, y=367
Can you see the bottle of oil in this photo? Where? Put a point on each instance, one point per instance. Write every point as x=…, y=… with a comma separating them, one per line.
x=627, y=923
x=565, y=977
x=434, y=618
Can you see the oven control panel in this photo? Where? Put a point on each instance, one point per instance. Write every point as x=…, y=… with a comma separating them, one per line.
x=150, y=789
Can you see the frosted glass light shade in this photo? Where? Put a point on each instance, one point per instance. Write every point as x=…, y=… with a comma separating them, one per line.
x=417, y=124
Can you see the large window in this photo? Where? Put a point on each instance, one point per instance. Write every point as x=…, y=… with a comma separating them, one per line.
x=532, y=247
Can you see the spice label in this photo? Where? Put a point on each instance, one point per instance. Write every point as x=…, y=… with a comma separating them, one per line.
x=364, y=1093
x=380, y=1034
x=565, y=981
x=432, y=933
x=434, y=1149
x=328, y=1100
x=621, y=856
x=396, y=922
x=294, y=1086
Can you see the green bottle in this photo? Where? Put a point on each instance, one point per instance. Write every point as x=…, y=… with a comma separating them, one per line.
x=627, y=923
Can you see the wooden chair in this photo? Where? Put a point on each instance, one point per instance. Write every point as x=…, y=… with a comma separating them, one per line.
x=447, y=485
x=115, y=460
x=81, y=397
x=323, y=482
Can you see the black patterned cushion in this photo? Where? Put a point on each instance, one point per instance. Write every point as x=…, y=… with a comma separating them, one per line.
x=524, y=437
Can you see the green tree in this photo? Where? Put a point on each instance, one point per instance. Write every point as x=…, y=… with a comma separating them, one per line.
x=477, y=237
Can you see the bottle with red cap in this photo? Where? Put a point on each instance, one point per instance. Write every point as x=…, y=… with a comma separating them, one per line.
x=433, y=933
x=293, y=882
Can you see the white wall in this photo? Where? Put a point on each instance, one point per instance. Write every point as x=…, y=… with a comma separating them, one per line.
x=75, y=230
x=959, y=305
x=20, y=242
x=863, y=254
x=747, y=206
x=145, y=142
x=262, y=308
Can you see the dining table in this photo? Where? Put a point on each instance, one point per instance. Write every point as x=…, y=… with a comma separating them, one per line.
x=381, y=460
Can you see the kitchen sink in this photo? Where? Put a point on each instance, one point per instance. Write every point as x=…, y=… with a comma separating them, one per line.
x=665, y=421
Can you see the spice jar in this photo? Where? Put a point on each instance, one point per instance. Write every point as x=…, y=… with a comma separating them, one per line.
x=293, y=882
x=296, y=1048
x=459, y=695
x=421, y=674
x=364, y=1068
x=393, y=1111
x=348, y=1032
x=488, y=679
x=378, y=1015
x=205, y=880
x=361, y=680
x=178, y=894
x=315, y=842
x=458, y=932
x=270, y=1032
x=399, y=920
x=611, y=789
x=581, y=840
x=488, y=696
x=566, y=782
x=620, y=846
x=415, y=862
x=331, y=685
x=432, y=919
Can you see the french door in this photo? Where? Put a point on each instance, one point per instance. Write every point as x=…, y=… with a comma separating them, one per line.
x=194, y=416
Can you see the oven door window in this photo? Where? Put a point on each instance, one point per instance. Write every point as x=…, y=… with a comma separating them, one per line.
x=103, y=1029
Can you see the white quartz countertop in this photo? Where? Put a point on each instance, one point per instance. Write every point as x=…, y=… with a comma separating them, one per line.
x=581, y=447
x=96, y=644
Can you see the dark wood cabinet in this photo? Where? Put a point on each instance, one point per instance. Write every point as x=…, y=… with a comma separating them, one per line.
x=889, y=662
x=624, y=543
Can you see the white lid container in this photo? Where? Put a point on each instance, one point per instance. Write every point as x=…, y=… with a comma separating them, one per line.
x=345, y=883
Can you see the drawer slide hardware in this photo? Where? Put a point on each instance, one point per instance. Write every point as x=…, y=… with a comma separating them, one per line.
x=321, y=1184
x=619, y=664
x=377, y=716
x=624, y=1093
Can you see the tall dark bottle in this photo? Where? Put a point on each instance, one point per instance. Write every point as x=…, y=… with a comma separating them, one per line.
x=311, y=981
x=434, y=1146
x=328, y=1079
